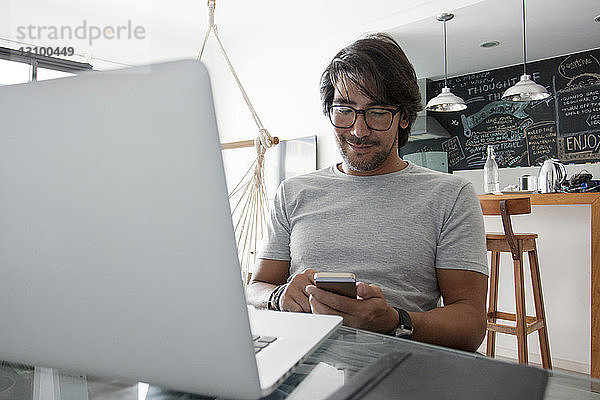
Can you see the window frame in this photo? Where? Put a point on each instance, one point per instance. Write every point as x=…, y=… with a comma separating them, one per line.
x=37, y=61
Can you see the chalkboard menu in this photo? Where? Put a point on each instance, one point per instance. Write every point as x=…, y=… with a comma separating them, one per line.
x=565, y=126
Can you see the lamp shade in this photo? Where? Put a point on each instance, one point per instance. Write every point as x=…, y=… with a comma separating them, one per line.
x=525, y=90
x=445, y=102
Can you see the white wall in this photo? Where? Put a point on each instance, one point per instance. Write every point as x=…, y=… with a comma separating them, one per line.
x=284, y=90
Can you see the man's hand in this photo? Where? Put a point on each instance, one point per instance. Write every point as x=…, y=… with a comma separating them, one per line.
x=369, y=311
x=295, y=297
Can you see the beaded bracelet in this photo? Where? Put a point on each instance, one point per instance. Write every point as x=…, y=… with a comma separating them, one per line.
x=275, y=296
x=270, y=305
x=273, y=303
x=278, y=295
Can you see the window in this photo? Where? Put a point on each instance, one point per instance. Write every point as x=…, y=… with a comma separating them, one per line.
x=45, y=73
x=13, y=72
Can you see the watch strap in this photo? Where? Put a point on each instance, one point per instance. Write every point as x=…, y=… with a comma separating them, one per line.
x=404, y=329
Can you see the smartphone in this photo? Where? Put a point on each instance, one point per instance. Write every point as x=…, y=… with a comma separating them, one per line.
x=343, y=283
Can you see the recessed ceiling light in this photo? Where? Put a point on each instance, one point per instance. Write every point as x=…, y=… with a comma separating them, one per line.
x=491, y=43
x=597, y=19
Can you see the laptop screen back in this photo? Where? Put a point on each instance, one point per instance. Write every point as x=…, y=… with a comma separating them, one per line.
x=117, y=248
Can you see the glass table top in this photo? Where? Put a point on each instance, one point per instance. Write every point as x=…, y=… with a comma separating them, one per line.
x=336, y=361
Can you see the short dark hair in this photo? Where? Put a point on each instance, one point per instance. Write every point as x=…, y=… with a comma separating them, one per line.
x=380, y=70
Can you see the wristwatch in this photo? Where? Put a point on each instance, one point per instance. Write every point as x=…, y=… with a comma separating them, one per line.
x=404, y=329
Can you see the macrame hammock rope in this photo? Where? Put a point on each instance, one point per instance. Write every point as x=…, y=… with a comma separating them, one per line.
x=249, y=197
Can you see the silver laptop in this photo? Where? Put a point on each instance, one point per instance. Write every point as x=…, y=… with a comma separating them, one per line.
x=117, y=252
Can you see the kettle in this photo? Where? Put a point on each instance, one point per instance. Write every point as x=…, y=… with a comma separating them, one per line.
x=551, y=175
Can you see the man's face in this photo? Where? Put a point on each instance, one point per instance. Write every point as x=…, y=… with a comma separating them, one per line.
x=365, y=151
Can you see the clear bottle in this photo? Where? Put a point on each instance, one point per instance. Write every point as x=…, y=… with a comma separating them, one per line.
x=491, y=183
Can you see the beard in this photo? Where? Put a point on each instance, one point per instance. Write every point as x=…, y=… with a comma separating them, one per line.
x=362, y=163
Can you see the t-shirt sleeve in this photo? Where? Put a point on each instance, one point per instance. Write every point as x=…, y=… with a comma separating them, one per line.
x=276, y=240
x=461, y=244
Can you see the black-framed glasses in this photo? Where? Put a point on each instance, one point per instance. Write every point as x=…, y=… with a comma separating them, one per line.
x=376, y=118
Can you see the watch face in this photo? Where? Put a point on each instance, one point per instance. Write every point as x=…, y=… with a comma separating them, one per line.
x=404, y=333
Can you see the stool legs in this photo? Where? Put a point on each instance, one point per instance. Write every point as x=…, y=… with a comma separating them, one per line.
x=540, y=313
x=521, y=328
x=493, y=303
x=524, y=324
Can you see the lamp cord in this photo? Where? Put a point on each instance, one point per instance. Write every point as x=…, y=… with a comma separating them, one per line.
x=446, y=58
x=524, y=42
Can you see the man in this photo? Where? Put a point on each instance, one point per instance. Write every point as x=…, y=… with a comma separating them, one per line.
x=409, y=234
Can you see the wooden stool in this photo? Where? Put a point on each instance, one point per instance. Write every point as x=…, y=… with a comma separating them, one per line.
x=516, y=244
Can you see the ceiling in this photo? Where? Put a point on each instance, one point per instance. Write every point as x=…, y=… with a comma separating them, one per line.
x=554, y=27
x=175, y=28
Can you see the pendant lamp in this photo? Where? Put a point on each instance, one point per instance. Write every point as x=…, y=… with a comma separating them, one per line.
x=445, y=101
x=526, y=89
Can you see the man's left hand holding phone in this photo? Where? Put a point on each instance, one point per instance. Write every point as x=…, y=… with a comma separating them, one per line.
x=296, y=298
x=367, y=310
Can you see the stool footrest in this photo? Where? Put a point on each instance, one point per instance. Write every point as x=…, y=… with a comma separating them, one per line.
x=509, y=317
x=533, y=324
x=536, y=326
x=494, y=327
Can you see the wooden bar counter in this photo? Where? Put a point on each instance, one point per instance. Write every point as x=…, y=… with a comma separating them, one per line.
x=593, y=199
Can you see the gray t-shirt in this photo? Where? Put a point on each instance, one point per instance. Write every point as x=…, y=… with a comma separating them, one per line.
x=392, y=230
